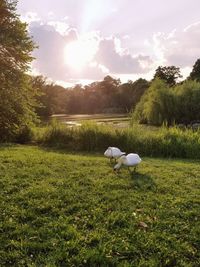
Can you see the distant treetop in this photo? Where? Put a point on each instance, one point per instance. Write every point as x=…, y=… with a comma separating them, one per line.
x=169, y=74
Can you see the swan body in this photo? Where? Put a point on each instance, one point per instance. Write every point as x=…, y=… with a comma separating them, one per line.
x=113, y=153
x=131, y=160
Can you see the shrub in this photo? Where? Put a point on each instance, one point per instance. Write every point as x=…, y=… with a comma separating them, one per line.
x=57, y=134
x=25, y=135
x=164, y=142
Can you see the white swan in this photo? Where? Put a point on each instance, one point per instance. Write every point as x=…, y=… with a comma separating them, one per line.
x=113, y=153
x=131, y=160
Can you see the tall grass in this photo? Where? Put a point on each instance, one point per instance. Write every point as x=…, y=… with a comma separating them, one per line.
x=164, y=142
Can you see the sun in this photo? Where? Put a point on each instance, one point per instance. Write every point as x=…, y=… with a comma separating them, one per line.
x=80, y=53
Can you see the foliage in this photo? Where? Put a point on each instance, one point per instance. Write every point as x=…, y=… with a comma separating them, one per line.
x=107, y=96
x=61, y=209
x=52, y=98
x=16, y=94
x=129, y=94
x=187, y=102
x=147, y=141
x=168, y=74
x=25, y=135
x=195, y=73
x=156, y=105
x=112, y=96
x=161, y=104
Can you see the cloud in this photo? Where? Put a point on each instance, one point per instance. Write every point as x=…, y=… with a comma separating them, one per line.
x=30, y=17
x=110, y=57
x=90, y=72
x=60, y=27
x=118, y=60
x=50, y=54
x=180, y=48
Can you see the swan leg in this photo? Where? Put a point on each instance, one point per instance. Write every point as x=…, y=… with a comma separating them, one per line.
x=117, y=171
x=111, y=160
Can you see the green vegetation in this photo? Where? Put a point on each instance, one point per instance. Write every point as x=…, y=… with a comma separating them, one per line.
x=168, y=74
x=147, y=141
x=17, y=97
x=61, y=209
x=106, y=96
x=163, y=104
x=195, y=73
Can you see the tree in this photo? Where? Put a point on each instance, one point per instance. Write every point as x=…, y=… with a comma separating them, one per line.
x=52, y=98
x=76, y=99
x=195, y=73
x=17, y=98
x=156, y=105
x=108, y=88
x=187, y=104
x=168, y=74
x=129, y=93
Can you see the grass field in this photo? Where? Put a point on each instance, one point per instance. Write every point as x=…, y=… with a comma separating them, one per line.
x=65, y=209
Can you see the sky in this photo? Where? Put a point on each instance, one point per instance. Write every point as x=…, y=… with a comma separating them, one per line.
x=81, y=41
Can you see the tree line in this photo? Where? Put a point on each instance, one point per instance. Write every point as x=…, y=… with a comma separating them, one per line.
x=161, y=100
x=106, y=96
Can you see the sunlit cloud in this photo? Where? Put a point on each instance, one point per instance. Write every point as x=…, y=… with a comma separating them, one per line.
x=77, y=47
x=65, y=54
x=30, y=17
x=60, y=27
x=104, y=69
x=118, y=59
x=179, y=47
x=79, y=53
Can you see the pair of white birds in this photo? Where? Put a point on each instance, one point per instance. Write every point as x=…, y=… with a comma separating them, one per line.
x=130, y=160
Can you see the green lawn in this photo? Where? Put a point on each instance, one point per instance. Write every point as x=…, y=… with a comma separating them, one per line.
x=65, y=209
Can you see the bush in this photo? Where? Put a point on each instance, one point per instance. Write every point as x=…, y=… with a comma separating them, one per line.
x=59, y=135
x=25, y=135
x=162, y=142
x=162, y=104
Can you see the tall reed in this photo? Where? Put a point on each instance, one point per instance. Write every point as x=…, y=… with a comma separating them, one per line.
x=163, y=142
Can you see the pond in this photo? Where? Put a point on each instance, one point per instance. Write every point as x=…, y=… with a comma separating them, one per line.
x=113, y=120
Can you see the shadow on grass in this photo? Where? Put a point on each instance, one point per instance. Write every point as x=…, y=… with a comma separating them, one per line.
x=5, y=146
x=62, y=150
x=143, y=181
x=139, y=181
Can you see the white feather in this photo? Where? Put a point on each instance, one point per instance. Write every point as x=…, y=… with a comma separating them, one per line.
x=113, y=152
x=131, y=160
